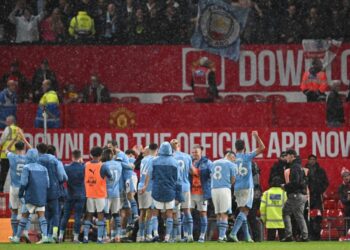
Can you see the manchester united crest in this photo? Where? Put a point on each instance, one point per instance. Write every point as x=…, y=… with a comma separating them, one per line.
x=122, y=118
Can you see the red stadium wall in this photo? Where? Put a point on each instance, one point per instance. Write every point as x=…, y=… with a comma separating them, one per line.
x=187, y=115
x=166, y=69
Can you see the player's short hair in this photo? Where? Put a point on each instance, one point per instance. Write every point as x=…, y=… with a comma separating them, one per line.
x=239, y=145
x=107, y=155
x=113, y=142
x=42, y=148
x=96, y=151
x=229, y=152
x=130, y=152
x=153, y=146
x=283, y=154
x=19, y=145
x=174, y=143
x=197, y=146
x=76, y=154
x=51, y=149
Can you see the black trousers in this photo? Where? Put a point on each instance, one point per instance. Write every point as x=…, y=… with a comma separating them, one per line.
x=271, y=234
x=5, y=165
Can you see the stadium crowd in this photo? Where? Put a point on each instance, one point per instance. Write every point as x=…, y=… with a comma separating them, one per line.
x=164, y=22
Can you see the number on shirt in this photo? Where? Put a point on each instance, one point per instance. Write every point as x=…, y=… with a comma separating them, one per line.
x=19, y=168
x=242, y=170
x=217, y=173
x=182, y=165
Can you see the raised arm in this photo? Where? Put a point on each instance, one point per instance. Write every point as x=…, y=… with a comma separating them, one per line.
x=261, y=145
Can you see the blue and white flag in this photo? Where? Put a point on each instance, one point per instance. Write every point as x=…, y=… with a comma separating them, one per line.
x=218, y=27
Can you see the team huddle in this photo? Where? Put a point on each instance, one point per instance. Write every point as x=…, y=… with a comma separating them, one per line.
x=171, y=183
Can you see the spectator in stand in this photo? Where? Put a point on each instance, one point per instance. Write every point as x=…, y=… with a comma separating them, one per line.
x=203, y=81
x=291, y=28
x=318, y=184
x=139, y=31
x=313, y=28
x=314, y=82
x=52, y=28
x=335, y=109
x=99, y=16
x=50, y=104
x=27, y=25
x=96, y=92
x=82, y=27
x=70, y=95
x=254, y=25
x=336, y=25
x=128, y=13
x=16, y=75
x=344, y=192
x=8, y=102
x=87, y=5
x=112, y=25
x=41, y=74
x=170, y=26
x=278, y=168
x=154, y=18
x=66, y=7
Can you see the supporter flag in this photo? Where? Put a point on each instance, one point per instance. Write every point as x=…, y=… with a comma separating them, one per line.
x=325, y=50
x=218, y=27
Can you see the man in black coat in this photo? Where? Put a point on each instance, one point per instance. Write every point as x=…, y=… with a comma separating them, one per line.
x=318, y=183
x=278, y=168
x=335, y=109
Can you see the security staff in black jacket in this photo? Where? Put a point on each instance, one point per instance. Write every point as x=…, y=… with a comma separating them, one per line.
x=296, y=188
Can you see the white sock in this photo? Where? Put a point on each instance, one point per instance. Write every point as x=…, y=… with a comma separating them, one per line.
x=202, y=236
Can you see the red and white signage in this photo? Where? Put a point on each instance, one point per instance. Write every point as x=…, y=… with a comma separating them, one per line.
x=167, y=69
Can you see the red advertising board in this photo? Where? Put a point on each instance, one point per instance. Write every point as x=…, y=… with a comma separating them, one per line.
x=167, y=69
x=325, y=143
x=332, y=147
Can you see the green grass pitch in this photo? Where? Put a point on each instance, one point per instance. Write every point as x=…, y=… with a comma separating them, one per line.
x=321, y=245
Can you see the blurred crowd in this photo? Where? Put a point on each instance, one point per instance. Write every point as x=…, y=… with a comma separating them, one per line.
x=164, y=22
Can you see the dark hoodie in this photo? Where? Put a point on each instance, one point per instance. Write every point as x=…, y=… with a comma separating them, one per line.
x=297, y=179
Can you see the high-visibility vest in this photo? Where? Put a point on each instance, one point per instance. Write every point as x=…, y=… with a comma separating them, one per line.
x=200, y=82
x=12, y=134
x=271, y=206
x=317, y=83
x=95, y=185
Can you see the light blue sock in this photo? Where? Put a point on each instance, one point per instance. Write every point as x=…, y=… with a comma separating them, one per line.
x=21, y=226
x=238, y=223
x=14, y=224
x=169, y=226
x=189, y=223
x=87, y=225
x=43, y=225
x=117, y=225
x=148, y=227
x=29, y=222
x=222, y=226
x=134, y=209
x=175, y=228
x=179, y=226
x=141, y=231
x=100, y=228
x=245, y=228
x=155, y=224
x=204, y=224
